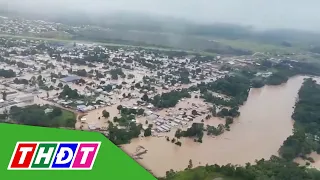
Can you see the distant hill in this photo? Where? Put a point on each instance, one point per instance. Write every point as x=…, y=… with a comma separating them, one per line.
x=167, y=31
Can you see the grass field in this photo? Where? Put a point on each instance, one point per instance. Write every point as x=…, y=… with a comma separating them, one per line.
x=68, y=39
x=66, y=119
x=257, y=47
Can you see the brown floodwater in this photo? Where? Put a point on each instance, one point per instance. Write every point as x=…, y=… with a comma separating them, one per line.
x=265, y=122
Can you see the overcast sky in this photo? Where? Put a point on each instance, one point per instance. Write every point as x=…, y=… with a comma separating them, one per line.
x=296, y=14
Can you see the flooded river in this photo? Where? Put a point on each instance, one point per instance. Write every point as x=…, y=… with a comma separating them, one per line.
x=265, y=122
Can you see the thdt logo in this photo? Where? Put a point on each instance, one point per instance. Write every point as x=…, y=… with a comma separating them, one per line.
x=54, y=155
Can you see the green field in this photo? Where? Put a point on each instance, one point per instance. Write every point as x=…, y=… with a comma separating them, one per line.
x=257, y=47
x=68, y=39
x=65, y=118
x=35, y=115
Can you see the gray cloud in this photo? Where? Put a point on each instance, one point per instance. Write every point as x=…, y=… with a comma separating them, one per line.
x=259, y=13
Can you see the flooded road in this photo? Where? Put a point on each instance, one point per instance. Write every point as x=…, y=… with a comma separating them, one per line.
x=265, y=122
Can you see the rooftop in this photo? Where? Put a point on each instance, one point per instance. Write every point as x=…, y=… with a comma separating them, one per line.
x=70, y=78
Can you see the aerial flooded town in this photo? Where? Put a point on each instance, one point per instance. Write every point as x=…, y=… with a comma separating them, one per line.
x=142, y=93
x=170, y=110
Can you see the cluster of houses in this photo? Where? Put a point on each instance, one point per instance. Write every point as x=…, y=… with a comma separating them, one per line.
x=14, y=98
x=20, y=26
x=93, y=91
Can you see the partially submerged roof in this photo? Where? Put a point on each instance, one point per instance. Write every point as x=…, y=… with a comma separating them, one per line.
x=70, y=78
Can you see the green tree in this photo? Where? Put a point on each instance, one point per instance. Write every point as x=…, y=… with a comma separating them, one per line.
x=70, y=122
x=190, y=165
x=229, y=120
x=194, y=112
x=130, y=76
x=114, y=76
x=119, y=108
x=137, y=85
x=56, y=112
x=60, y=85
x=105, y=114
x=39, y=78
x=145, y=97
x=4, y=95
x=140, y=111
x=213, y=110
x=33, y=80
x=147, y=132
x=115, y=119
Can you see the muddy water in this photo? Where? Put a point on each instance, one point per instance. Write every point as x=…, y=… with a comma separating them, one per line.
x=264, y=124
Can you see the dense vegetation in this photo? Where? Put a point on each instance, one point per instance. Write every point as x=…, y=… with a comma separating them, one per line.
x=7, y=73
x=196, y=131
x=21, y=81
x=284, y=70
x=299, y=67
x=233, y=112
x=274, y=169
x=129, y=129
x=215, y=131
x=127, y=115
x=35, y=115
x=123, y=135
x=116, y=72
x=277, y=78
x=236, y=87
x=67, y=92
x=307, y=123
x=170, y=99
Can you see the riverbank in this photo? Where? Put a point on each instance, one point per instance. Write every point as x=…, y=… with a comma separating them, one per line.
x=265, y=122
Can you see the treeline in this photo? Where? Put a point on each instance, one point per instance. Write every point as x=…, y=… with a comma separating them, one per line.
x=35, y=115
x=284, y=70
x=274, y=169
x=123, y=135
x=236, y=87
x=209, y=97
x=216, y=131
x=196, y=131
x=170, y=99
x=278, y=78
x=306, y=136
x=117, y=72
x=304, y=68
x=69, y=93
x=127, y=115
x=233, y=112
x=129, y=129
x=274, y=79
